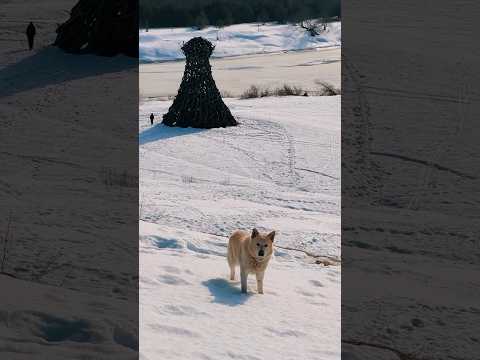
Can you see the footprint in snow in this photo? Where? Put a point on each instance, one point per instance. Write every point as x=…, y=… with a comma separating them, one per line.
x=316, y=283
x=232, y=355
x=285, y=333
x=174, y=330
x=305, y=293
x=173, y=280
x=323, y=304
x=183, y=310
x=171, y=269
x=310, y=294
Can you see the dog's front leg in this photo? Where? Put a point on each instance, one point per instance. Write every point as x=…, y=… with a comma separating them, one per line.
x=243, y=279
x=260, y=281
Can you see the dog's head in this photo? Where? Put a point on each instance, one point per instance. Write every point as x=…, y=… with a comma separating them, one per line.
x=261, y=245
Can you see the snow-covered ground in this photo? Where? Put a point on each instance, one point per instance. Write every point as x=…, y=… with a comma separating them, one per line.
x=233, y=75
x=58, y=300
x=278, y=170
x=234, y=40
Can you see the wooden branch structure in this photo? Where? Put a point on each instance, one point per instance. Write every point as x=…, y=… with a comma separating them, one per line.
x=198, y=103
x=103, y=27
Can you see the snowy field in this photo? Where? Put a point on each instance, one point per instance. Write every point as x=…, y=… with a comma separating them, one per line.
x=233, y=75
x=234, y=40
x=278, y=170
x=63, y=302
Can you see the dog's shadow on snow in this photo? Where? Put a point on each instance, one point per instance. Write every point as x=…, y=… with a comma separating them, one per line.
x=226, y=292
x=162, y=132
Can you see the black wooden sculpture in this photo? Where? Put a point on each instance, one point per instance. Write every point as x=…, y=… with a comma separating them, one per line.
x=107, y=27
x=198, y=103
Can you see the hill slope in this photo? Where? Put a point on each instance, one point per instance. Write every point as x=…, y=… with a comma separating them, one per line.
x=234, y=40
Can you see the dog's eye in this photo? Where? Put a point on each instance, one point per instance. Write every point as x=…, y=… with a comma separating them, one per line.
x=258, y=244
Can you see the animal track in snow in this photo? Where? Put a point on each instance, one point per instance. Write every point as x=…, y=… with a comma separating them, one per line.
x=173, y=280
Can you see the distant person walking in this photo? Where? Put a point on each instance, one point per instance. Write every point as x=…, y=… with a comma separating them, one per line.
x=151, y=118
x=31, y=31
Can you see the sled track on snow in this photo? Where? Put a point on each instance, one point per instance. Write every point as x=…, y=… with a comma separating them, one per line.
x=289, y=143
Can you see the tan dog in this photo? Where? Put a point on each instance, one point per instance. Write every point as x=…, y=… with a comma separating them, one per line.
x=252, y=252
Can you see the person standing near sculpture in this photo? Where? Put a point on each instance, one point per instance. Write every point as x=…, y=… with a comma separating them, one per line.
x=31, y=31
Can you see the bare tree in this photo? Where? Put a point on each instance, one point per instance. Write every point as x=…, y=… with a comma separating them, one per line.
x=311, y=27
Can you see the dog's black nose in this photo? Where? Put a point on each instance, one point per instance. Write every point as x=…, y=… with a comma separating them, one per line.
x=261, y=253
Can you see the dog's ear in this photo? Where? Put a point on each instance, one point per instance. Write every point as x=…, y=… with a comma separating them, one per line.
x=254, y=233
x=271, y=236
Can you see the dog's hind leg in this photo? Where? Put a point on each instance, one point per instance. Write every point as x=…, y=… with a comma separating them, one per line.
x=232, y=272
x=243, y=278
x=231, y=263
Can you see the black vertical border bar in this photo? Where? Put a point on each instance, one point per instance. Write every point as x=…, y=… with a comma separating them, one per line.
x=68, y=194
x=410, y=180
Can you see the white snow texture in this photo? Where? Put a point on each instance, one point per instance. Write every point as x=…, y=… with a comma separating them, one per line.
x=278, y=170
x=234, y=40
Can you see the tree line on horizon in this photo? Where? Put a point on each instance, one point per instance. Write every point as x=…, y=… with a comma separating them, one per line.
x=201, y=13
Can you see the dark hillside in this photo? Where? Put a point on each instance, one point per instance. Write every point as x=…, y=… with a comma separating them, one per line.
x=174, y=13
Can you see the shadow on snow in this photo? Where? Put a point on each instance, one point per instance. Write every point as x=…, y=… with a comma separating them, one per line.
x=225, y=292
x=162, y=132
x=51, y=65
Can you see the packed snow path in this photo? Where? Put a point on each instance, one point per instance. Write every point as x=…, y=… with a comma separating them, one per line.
x=278, y=170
